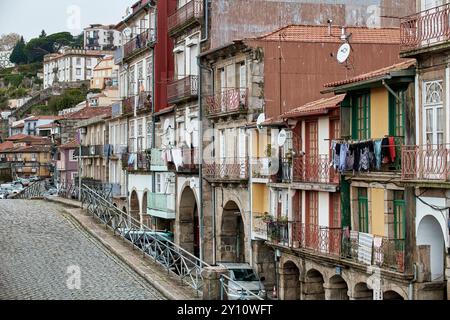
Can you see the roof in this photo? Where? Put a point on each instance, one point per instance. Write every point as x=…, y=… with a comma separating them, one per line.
x=321, y=106
x=73, y=144
x=46, y=126
x=34, y=148
x=320, y=33
x=375, y=74
x=19, y=125
x=23, y=137
x=6, y=145
x=88, y=112
x=34, y=118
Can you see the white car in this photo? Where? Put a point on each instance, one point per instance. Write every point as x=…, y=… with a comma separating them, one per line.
x=244, y=280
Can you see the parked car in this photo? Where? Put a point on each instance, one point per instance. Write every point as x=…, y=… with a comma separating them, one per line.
x=244, y=278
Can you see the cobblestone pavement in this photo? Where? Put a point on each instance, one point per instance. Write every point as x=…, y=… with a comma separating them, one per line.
x=38, y=243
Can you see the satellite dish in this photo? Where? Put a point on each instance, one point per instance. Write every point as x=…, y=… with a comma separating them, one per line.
x=166, y=125
x=282, y=137
x=260, y=120
x=343, y=53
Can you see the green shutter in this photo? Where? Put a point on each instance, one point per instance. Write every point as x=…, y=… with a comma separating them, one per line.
x=363, y=211
x=345, y=202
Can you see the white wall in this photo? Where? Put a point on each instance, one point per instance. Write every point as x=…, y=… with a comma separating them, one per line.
x=324, y=133
x=324, y=209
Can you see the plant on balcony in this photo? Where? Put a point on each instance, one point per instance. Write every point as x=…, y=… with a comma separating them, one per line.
x=266, y=217
x=283, y=220
x=289, y=156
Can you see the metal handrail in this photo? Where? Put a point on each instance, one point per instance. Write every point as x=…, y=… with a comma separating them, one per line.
x=243, y=292
x=34, y=190
x=172, y=257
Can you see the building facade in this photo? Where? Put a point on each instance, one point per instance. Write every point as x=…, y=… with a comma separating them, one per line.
x=101, y=37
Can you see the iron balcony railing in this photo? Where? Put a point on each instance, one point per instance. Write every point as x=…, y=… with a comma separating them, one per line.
x=174, y=259
x=230, y=169
x=182, y=89
x=228, y=101
x=34, y=190
x=191, y=11
x=90, y=151
x=161, y=202
x=138, y=43
x=274, y=168
x=313, y=169
x=259, y=226
x=425, y=29
x=337, y=242
x=128, y=105
x=426, y=162
x=190, y=158
x=157, y=158
x=141, y=102
x=136, y=161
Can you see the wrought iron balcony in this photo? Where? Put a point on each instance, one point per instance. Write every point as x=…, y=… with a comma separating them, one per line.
x=426, y=163
x=139, y=43
x=226, y=169
x=425, y=29
x=159, y=162
x=136, y=161
x=182, y=89
x=128, y=105
x=90, y=151
x=137, y=103
x=161, y=205
x=313, y=169
x=227, y=102
x=259, y=226
x=185, y=16
x=337, y=243
x=274, y=168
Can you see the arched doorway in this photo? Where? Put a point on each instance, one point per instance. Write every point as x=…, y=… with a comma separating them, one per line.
x=232, y=236
x=290, y=282
x=430, y=233
x=134, y=206
x=313, y=286
x=392, y=295
x=146, y=218
x=362, y=292
x=189, y=227
x=337, y=289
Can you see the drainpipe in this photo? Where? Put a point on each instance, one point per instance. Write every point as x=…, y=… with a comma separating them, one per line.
x=153, y=174
x=250, y=177
x=410, y=287
x=206, y=10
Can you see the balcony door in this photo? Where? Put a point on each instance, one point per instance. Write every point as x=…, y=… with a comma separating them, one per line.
x=312, y=219
x=312, y=151
x=242, y=152
x=434, y=155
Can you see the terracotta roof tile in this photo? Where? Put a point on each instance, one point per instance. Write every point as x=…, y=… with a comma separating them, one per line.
x=70, y=145
x=374, y=74
x=89, y=112
x=6, y=145
x=320, y=33
x=321, y=106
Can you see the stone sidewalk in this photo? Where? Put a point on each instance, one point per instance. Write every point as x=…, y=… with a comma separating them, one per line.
x=169, y=285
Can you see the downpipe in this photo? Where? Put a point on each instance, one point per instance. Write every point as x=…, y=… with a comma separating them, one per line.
x=411, y=284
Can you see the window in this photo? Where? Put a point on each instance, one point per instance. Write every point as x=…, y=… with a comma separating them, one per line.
x=399, y=215
x=149, y=134
x=149, y=74
x=312, y=208
x=88, y=62
x=71, y=155
x=89, y=73
x=140, y=75
x=78, y=72
x=363, y=210
x=397, y=114
x=78, y=61
x=433, y=113
x=140, y=135
x=131, y=83
x=132, y=137
x=361, y=117
x=335, y=210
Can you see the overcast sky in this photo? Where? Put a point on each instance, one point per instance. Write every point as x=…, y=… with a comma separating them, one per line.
x=29, y=17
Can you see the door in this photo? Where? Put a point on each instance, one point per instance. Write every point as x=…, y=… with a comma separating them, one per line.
x=223, y=88
x=242, y=83
x=222, y=152
x=334, y=231
x=311, y=160
x=312, y=220
x=242, y=152
x=433, y=159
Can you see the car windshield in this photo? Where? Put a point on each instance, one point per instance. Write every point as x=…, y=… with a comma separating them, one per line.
x=244, y=275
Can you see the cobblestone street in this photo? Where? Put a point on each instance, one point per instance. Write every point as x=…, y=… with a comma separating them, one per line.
x=37, y=245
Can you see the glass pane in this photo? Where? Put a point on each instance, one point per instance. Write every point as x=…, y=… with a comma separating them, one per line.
x=440, y=119
x=429, y=120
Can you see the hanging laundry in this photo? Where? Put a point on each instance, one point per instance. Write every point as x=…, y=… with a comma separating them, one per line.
x=357, y=153
x=350, y=160
x=377, y=151
x=177, y=158
x=364, y=161
x=385, y=156
x=336, y=152
x=392, y=148
x=342, y=157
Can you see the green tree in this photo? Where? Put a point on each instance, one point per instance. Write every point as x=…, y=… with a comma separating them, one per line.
x=18, y=55
x=43, y=34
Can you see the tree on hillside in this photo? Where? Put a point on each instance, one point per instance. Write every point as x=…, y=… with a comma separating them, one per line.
x=18, y=55
x=43, y=34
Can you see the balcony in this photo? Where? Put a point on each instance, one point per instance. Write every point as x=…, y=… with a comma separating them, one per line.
x=116, y=110
x=182, y=89
x=313, y=169
x=91, y=151
x=128, y=105
x=60, y=165
x=424, y=31
x=226, y=169
x=228, y=102
x=274, y=169
x=259, y=226
x=138, y=104
x=136, y=161
x=161, y=205
x=158, y=160
x=339, y=244
x=427, y=163
x=185, y=16
x=139, y=43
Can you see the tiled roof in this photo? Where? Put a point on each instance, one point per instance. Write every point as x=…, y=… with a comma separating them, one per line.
x=43, y=118
x=89, y=112
x=19, y=125
x=23, y=137
x=38, y=148
x=46, y=126
x=374, y=74
x=6, y=145
x=70, y=145
x=320, y=33
x=317, y=107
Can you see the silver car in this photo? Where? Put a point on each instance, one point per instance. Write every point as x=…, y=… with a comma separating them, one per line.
x=244, y=280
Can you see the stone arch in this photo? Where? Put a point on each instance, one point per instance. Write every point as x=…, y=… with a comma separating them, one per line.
x=362, y=292
x=232, y=234
x=290, y=281
x=336, y=288
x=429, y=233
x=392, y=295
x=313, y=287
x=188, y=222
x=134, y=206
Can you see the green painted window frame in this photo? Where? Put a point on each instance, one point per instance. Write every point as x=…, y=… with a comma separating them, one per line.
x=397, y=110
x=361, y=116
x=399, y=215
x=363, y=210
